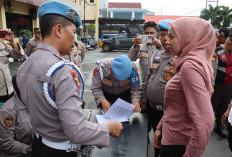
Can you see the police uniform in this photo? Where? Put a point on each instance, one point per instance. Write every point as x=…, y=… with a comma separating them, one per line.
x=222, y=92
x=105, y=87
x=145, y=53
x=6, y=51
x=16, y=130
x=52, y=88
x=34, y=43
x=77, y=54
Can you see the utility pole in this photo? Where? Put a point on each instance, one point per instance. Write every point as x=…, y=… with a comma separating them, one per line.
x=210, y=1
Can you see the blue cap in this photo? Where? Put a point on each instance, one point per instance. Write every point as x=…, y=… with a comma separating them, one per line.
x=121, y=67
x=58, y=8
x=164, y=26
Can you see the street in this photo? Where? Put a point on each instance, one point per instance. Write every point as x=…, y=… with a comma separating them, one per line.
x=217, y=146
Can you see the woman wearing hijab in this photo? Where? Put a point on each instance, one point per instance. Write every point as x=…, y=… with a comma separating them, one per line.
x=188, y=115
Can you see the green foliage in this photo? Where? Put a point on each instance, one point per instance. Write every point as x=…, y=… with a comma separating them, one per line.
x=219, y=16
x=78, y=37
x=91, y=26
x=28, y=33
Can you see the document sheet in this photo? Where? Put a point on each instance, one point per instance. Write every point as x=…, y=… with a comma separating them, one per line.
x=120, y=111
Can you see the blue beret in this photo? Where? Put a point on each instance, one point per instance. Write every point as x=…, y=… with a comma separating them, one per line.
x=164, y=26
x=58, y=8
x=121, y=67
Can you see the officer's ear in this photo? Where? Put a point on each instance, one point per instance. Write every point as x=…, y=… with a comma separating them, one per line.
x=58, y=30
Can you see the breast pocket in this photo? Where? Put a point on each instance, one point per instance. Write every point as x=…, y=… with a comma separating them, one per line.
x=143, y=57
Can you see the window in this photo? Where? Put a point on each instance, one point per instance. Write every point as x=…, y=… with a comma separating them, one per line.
x=91, y=1
x=16, y=22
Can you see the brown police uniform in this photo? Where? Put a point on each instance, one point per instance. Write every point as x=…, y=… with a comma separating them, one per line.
x=160, y=72
x=16, y=132
x=6, y=87
x=67, y=122
x=103, y=84
x=145, y=53
x=77, y=55
x=34, y=44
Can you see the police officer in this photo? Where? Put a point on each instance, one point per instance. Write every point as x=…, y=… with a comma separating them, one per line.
x=33, y=43
x=145, y=51
x=113, y=79
x=51, y=87
x=16, y=131
x=161, y=70
x=222, y=92
x=15, y=51
x=77, y=54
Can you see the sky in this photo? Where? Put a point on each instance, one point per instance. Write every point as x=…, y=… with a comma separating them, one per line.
x=176, y=7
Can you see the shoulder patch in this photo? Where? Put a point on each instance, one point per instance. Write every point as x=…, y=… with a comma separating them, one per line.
x=75, y=79
x=134, y=78
x=96, y=72
x=167, y=76
x=9, y=121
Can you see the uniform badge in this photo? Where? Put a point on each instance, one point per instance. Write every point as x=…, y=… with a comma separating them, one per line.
x=75, y=79
x=124, y=83
x=214, y=59
x=96, y=72
x=35, y=48
x=79, y=47
x=143, y=55
x=136, y=69
x=170, y=70
x=154, y=66
x=71, y=14
x=167, y=77
x=107, y=82
x=9, y=121
x=74, y=50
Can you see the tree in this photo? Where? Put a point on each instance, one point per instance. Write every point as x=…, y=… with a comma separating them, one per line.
x=213, y=14
x=226, y=14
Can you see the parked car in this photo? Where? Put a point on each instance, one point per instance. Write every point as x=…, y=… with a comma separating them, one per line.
x=120, y=41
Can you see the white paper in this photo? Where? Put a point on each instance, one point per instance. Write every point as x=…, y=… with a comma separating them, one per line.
x=120, y=111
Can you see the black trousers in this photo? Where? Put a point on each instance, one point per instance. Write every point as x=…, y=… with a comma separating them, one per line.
x=113, y=97
x=220, y=101
x=172, y=151
x=154, y=117
x=41, y=150
x=6, y=97
x=229, y=127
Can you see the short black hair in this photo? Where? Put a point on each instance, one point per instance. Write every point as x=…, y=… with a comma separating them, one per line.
x=15, y=85
x=224, y=32
x=50, y=20
x=150, y=24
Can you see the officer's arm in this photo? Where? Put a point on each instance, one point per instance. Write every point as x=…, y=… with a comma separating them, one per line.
x=144, y=85
x=73, y=120
x=214, y=65
x=28, y=49
x=7, y=138
x=96, y=86
x=134, y=53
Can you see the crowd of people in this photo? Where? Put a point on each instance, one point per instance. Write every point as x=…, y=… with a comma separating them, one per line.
x=186, y=75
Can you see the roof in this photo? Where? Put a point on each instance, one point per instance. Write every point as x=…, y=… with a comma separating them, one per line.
x=157, y=18
x=124, y=5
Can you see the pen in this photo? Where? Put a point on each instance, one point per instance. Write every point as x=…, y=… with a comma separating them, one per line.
x=90, y=115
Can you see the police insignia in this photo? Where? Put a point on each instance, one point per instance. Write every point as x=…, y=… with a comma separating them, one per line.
x=74, y=50
x=75, y=79
x=143, y=55
x=95, y=72
x=9, y=121
x=79, y=47
x=213, y=59
x=167, y=77
x=154, y=66
x=107, y=82
x=136, y=69
x=71, y=14
x=170, y=70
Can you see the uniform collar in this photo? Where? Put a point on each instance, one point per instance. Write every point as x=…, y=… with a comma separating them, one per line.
x=47, y=47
